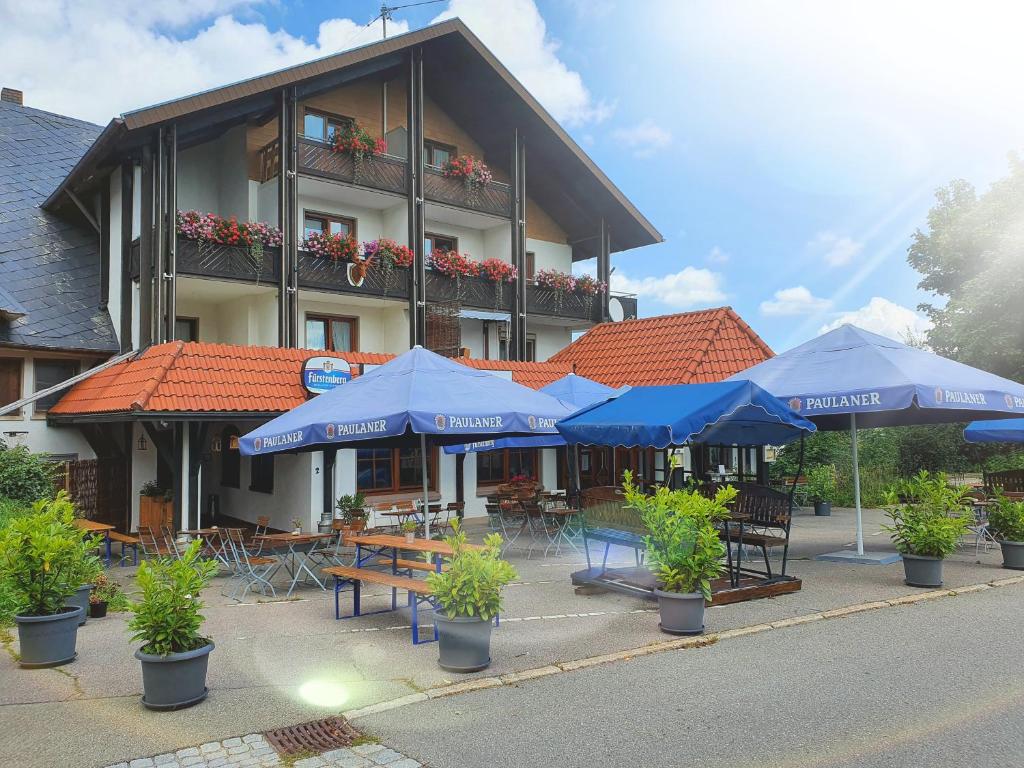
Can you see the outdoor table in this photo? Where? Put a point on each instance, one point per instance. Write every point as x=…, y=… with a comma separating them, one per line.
x=216, y=543
x=563, y=517
x=379, y=543
x=91, y=526
x=294, y=560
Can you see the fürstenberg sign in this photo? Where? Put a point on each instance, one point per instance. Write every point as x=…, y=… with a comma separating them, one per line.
x=322, y=374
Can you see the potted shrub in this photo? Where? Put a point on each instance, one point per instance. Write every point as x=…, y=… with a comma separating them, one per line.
x=409, y=529
x=467, y=596
x=684, y=549
x=167, y=621
x=1006, y=522
x=928, y=519
x=40, y=555
x=821, y=487
x=156, y=506
x=87, y=569
x=296, y=526
x=352, y=510
x=106, y=595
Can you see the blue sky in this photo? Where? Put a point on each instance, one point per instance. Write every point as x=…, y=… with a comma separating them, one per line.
x=786, y=150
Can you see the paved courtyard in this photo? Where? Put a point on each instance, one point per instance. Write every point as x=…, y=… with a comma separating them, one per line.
x=286, y=661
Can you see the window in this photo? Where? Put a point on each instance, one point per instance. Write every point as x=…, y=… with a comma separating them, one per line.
x=322, y=126
x=531, y=265
x=433, y=243
x=324, y=222
x=493, y=467
x=186, y=328
x=10, y=379
x=531, y=345
x=261, y=473
x=230, y=459
x=48, y=373
x=437, y=154
x=389, y=470
x=337, y=334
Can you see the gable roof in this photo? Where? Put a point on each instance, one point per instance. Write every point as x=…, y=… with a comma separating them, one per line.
x=197, y=377
x=453, y=47
x=49, y=267
x=685, y=348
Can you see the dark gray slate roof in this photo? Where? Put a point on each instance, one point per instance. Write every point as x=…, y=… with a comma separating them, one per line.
x=48, y=265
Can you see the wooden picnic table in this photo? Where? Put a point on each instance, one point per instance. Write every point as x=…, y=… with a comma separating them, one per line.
x=91, y=526
x=387, y=541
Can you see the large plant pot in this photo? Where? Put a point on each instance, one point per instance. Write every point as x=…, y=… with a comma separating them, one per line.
x=464, y=642
x=822, y=508
x=1013, y=554
x=81, y=600
x=48, y=641
x=174, y=681
x=923, y=571
x=682, y=613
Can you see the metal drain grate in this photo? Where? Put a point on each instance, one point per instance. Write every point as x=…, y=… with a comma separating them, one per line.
x=316, y=736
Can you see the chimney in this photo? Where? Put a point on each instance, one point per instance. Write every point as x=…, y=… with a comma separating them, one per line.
x=12, y=95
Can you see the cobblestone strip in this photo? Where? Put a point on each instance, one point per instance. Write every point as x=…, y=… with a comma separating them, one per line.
x=253, y=751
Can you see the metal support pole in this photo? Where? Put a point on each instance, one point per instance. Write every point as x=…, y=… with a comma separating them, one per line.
x=171, y=266
x=426, y=482
x=293, y=212
x=856, y=484
x=414, y=197
x=283, y=220
x=160, y=238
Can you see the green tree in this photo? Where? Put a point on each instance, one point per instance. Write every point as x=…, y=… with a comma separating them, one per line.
x=970, y=258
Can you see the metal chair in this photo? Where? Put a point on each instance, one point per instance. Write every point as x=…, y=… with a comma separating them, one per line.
x=170, y=540
x=252, y=571
x=151, y=543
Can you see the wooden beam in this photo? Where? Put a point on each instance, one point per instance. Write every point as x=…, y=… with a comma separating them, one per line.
x=127, y=217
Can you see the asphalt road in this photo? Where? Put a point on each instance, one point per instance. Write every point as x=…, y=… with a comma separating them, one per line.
x=935, y=684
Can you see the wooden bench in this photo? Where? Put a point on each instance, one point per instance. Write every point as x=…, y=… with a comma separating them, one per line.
x=127, y=542
x=417, y=590
x=402, y=564
x=606, y=518
x=766, y=514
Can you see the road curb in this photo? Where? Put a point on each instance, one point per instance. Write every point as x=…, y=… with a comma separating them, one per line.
x=682, y=643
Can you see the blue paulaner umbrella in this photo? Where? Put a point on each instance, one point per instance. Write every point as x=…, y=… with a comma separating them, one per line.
x=575, y=391
x=1000, y=431
x=850, y=377
x=417, y=393
x=727, y=412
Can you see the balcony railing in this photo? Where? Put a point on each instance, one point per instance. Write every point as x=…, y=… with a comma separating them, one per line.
x=494, y=198
x=382, y=172
x=239, y=264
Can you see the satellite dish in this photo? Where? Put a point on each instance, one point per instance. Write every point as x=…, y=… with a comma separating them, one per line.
x=615, y=310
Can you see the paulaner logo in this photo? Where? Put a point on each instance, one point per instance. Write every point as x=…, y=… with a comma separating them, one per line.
x=794, y=403
x=362, y=427
x=257, y=444
x=287, y=438
x=330, y=431
x=959, y=397
x=439, y=421
x=828, y=402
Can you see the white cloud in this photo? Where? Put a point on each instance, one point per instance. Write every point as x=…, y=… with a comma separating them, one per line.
x=687, y=288
x=106, y=57
x=645, y=138
x=516, y=33
x=717, y=256
x=794, y=301
x=834, y=249
x=886, y=318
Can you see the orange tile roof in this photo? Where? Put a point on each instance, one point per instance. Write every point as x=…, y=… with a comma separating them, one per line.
x=197, y=377
x=689, y=347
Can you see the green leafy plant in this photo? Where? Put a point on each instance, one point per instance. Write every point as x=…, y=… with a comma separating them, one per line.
x=409, y=526
x=351, y=506
x=1006, y=520
x=41, y=557
x=167, y=617
x=25, y=476
x=683, y=546
x=151, y=489
x=821, y=483
x=928, y=515
x=106, y=591
x=471, y=584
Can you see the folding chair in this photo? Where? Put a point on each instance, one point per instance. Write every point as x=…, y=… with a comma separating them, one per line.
x=252, y=571
x=255, y=542
x=152, y=544
x=334, y=552
x=170, y=540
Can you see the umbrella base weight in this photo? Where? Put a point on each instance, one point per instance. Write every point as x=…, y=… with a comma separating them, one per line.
x=868, y=558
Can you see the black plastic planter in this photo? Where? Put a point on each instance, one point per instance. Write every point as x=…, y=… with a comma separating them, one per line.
x=97, y=610
x=464, y=642
x=81, y=600
x=923, y=571
x=48, y=641
x=682, y=613
x=823, y=508
x=174, y=681
x=1013, y=555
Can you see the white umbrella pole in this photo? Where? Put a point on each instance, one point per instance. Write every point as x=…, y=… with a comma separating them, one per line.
x=426, y=494
x=856, y=484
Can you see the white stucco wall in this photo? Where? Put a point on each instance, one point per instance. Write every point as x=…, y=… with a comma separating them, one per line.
x=550, y=255
x=213, y=177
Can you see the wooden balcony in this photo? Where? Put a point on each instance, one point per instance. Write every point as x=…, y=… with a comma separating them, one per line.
x=494, y=199
x=229, y=262
x=383, y=172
